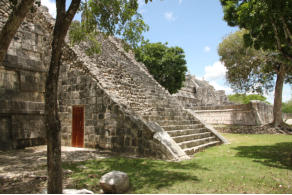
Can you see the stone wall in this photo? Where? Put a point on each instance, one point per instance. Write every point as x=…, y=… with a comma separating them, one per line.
x=254, y=113
x=107, y=124
x=22, y=82
x=197, y=92
x=22, y=86
x=126, y=109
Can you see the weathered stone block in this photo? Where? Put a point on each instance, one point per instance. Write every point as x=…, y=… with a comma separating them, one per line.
x=28, y=126
x=9, y=79
x=32, y=81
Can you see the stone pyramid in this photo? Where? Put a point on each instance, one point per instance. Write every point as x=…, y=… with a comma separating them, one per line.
x=110, y=101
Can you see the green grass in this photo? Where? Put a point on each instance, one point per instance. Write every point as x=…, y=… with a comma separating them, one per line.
x=251, y=164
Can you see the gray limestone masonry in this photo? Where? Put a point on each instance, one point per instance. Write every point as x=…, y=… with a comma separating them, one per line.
x=256, y=113
x=213, y=107
x=126, y=110
x=197, y=92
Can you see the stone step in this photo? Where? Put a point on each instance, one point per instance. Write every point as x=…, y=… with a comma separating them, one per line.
x=182, y=127
x=191, y=151
x=186, y=132
x=177, y=122
x=197, y=142
x=159, y=118
x=164, y=113
x=190, y=137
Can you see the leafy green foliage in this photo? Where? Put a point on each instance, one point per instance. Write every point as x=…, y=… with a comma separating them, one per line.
x=268, y=22
x=116, y=17
x=287, y=107
x=245, y=99
x=269, y=28
x=166, y=64
x=248, y=69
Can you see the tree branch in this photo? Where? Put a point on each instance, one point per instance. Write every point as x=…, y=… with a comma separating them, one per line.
x=276, y=35
x=72, y=10
x=286, y=30
x=12, y=24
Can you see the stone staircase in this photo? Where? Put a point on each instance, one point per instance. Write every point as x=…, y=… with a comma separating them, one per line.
x=131, y=85
x=190, y=134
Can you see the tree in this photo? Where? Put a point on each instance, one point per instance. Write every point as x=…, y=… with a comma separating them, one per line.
x=166, y=64
x=269, y=28
x=106, y=15
x=16, y=17
x=110, y=17
x=245, y=99
x=52, y=122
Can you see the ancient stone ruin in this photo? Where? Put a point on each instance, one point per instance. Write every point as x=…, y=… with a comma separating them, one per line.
x=213, y=107
x=197, y=93
x=107, y=101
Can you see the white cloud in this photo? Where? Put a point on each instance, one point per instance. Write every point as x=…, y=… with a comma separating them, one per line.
x=51, y=6
x=216, y=71
x=217, y=86
x=215, y=74
x=180, y=1
x=169, y=16
x=207, y=49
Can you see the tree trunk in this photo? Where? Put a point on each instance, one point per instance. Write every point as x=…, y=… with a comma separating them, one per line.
x=12, y=24
x=277, y=109
x=52, y=122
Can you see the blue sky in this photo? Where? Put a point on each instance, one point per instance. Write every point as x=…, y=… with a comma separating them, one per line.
x=197, y=26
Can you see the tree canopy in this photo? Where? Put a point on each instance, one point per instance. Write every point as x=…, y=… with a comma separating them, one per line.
x=166, y=64
x=268, y=22
x=248, y=69
x=268, y=25
x=117, y=17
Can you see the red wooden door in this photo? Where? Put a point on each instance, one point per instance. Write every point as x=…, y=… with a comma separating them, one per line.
x=77, y=126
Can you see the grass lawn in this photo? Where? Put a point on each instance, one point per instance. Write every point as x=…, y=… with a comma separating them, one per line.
x=250, y=164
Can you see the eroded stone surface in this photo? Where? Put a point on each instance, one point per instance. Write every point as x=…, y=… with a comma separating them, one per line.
x=197, y=92
x=115, y=182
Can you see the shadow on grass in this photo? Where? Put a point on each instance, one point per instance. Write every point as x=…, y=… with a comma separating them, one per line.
x=28, y=185
x=278, y=155
x=143, y=173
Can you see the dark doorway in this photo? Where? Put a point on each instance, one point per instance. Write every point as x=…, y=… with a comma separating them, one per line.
x=5, y=133
x=77, y=126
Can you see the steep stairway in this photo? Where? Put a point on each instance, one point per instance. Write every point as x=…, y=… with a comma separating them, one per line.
x=129, y=83
x=189, y=133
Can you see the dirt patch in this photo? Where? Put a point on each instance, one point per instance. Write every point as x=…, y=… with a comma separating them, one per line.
x=25, y=171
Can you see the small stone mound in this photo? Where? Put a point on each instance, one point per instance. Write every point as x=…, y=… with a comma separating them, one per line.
x=115, y=182
x=74, y=191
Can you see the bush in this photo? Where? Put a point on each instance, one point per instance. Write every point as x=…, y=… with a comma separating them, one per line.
x=245, y=99
x=287, y=107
